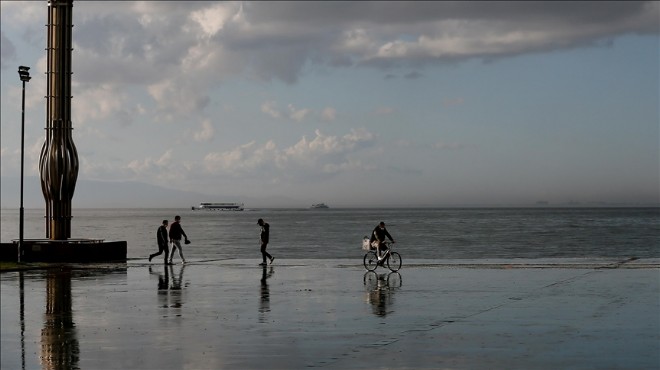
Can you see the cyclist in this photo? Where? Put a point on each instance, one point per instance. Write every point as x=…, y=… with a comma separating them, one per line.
x=378, y=235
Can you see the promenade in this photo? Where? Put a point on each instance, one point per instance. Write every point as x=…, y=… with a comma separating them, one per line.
x=298, y=314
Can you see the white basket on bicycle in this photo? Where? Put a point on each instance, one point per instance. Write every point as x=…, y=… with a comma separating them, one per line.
x=369, y=247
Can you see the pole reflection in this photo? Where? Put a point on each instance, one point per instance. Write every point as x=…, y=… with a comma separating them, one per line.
x=59, y=343
x=380, y=291
x=21, y=294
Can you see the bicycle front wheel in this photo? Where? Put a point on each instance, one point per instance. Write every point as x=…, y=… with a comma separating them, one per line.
x=370, y=261
x=394, y=261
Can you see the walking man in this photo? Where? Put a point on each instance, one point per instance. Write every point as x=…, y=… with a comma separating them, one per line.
x=161, y=236
x=265, y=229
x=176, y=231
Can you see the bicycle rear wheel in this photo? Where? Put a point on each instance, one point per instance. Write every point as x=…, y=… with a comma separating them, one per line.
x=370, y=261
x=394, y=261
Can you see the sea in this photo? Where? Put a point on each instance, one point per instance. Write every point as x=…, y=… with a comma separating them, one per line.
x=334, y=233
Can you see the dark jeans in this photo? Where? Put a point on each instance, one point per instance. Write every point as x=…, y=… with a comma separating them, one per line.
x=161, y=248
x=265, y=254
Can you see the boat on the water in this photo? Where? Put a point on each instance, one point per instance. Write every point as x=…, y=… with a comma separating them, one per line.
x=319, y=205
x=218, y=207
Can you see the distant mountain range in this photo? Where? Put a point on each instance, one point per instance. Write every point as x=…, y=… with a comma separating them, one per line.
x=128, y=194
x=132, y=194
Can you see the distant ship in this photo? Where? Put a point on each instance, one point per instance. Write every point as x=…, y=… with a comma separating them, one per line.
x=219, y=207
x=320, y=205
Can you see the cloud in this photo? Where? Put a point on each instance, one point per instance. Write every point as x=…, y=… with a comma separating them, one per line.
x=270, y=109
x=213, y=19
x=329, y=114
x=275, y=40
x=7, y=51
x=298, y=115
x=321, y=155
x=179, y=52
x=101, y=102
x=205, y=133
x=295, y=114
x=163, y=168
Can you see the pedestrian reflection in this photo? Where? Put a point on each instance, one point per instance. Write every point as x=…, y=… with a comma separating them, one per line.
x=169, y=292
x=59, y=342
x=176, y=292
x=264, y=304
x=163, y=285
x=380, y=291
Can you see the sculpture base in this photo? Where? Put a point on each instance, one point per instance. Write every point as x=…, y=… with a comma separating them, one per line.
x=71, y=250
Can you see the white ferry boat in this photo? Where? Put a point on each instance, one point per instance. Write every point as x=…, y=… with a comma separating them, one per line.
x=320, y=205
x=219, y=207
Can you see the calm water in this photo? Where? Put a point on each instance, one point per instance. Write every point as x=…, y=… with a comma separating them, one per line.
x=337, y=233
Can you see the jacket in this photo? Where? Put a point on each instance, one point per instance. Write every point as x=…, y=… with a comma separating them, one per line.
x=380, y=234
x=161, y=235
x=176, y=231
x=265, y=230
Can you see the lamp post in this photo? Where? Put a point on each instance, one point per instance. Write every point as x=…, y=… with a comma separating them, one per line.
x=24, y=74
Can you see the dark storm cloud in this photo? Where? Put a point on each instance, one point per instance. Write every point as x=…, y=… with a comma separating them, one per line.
x=186, y=48
x=405, y=12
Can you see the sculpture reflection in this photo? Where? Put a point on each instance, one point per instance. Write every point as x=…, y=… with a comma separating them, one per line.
x=380, y=291
x=59, y=343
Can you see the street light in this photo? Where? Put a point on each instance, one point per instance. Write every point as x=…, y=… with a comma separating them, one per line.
x=24, y=74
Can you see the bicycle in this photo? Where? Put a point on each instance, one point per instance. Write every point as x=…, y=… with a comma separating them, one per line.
x=393, y=259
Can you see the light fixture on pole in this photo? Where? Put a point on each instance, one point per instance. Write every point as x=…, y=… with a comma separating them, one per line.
x=24, y=74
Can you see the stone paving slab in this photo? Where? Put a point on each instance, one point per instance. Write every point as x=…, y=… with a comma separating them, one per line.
x=296, y=314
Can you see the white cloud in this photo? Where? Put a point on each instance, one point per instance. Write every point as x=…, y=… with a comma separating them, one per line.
x=162, y=168
x=329, y=114
x=322, y=154
x=213, y=19
x=97, y=103
x=270, y=109
x=246, y=157
x=295, y=114
x=205, y=133
x=298, y=115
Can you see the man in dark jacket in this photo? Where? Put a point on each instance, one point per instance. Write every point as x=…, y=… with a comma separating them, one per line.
x=265, y=231
x=379, y=234
x=161, y=237
x=176, y=231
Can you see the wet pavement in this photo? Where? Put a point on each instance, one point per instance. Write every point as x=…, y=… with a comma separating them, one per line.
x=295, y=314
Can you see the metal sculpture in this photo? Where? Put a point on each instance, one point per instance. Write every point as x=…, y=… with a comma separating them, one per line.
x=58, y=163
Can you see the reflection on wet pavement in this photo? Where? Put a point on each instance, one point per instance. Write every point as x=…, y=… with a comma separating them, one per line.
x=59, y=343
x=264, y=303
x=325, y=313
x=169, y=292
x=381, y=289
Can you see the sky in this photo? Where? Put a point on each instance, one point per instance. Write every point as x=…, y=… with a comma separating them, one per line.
x=355, y=104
